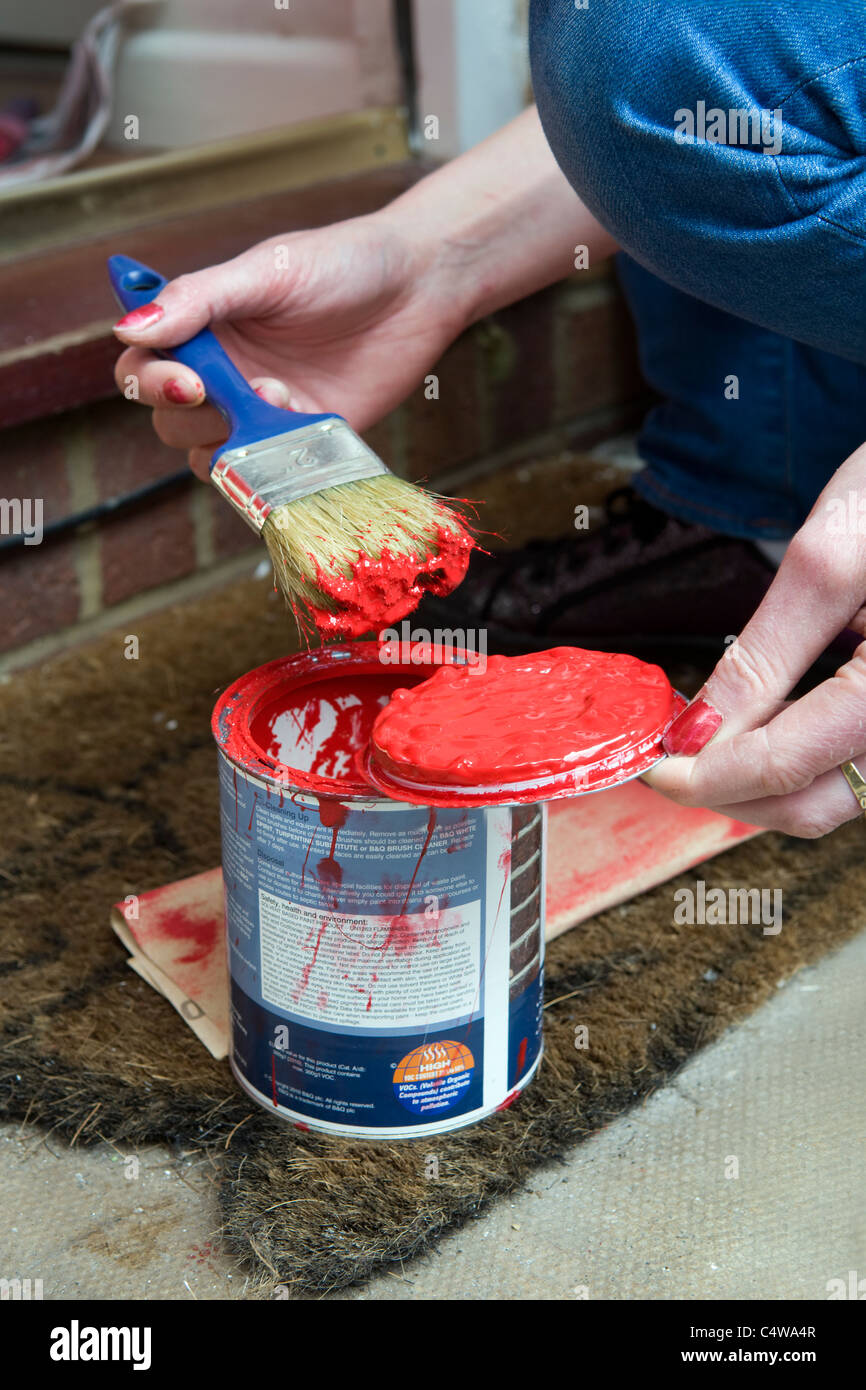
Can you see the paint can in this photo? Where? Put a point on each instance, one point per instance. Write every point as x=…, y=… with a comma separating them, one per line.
x=385, y=959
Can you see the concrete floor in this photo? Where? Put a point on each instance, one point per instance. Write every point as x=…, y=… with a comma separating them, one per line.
x=645, y=1209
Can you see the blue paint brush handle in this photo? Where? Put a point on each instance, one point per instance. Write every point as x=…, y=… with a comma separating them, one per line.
x=249, y=418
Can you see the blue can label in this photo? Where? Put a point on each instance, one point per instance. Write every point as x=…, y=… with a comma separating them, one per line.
x=370, y=959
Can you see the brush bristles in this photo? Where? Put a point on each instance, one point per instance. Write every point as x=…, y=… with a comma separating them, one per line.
x=329, y=533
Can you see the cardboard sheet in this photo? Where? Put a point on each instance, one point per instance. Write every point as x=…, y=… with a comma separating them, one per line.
x=602, y=850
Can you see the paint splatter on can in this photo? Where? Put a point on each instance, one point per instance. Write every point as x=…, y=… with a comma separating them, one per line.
x=385, y=960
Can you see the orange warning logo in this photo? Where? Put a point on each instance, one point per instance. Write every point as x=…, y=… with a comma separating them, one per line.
x=433, y=1061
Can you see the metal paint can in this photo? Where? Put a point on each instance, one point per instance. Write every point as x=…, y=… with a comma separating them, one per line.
x=385, y=959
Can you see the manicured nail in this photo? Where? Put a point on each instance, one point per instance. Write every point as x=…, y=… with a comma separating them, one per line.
x=145, y=316
x=179, y=392
x=692, y=730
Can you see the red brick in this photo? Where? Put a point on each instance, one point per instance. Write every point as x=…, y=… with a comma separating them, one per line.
x=56, y=291
x=126, y=452
x=149, y=546
x=521, y=385
x=33, y=464
x=51, y=381
x=603, y=367
x=38, y=591
x=446, y=431
x=231, y=534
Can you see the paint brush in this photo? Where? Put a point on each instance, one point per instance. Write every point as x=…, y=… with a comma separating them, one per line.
x=353, y=546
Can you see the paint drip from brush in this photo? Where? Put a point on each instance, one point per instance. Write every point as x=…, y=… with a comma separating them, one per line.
x=380, y=590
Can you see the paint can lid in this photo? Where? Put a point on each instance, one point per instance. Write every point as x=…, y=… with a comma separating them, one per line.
x=554, y=724
x=345, y=721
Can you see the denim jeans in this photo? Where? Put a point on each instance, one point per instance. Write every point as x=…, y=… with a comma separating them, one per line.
x=723, y=144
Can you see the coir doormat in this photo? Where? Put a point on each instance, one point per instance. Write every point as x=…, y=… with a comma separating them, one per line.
x=109, y=788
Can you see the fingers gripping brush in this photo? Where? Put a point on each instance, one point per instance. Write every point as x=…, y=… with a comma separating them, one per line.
x=352, y=545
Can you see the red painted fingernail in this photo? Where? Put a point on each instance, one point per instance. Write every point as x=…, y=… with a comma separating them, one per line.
x=179, y=392
x=145, y=316
x=692, y=730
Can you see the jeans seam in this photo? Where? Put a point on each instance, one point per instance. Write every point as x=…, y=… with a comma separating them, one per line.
x=660, y=490
x=857, y=237
x=825, y=72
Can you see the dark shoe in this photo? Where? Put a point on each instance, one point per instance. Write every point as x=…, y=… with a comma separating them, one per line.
x=664, y=590
x=645, y=583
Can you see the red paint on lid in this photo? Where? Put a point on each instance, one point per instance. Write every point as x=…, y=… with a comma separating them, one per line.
x=342, y=722
x=553, y=723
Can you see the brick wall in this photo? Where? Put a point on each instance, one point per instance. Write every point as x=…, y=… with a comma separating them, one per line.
x=563, y=360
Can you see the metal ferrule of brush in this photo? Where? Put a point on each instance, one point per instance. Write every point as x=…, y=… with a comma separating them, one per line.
x=259, y=477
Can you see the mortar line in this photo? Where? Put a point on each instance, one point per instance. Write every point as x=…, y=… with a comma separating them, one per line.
x=83, y=494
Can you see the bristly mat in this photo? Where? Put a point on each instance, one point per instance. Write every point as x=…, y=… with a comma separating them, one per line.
x=110, y=787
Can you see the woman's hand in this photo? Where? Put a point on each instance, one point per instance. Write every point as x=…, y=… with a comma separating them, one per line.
x=345, y=318
x=350, y=317
x=773, y=762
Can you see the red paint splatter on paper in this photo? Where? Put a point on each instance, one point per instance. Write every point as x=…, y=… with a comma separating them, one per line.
x=178, y=924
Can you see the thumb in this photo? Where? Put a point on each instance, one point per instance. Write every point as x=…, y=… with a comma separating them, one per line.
x=817, y=591
x=232, y=289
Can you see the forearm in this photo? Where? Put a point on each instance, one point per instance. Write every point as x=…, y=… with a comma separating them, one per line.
x=500, y=221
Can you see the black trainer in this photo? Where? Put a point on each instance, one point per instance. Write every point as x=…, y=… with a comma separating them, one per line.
x=644, y=582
